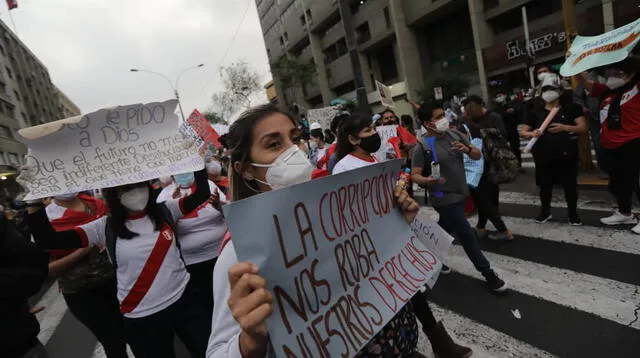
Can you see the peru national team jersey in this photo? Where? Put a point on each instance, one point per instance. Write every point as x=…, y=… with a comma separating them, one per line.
x=152, y=291
x=201, y=231
x=350, y=162
x=629, y=114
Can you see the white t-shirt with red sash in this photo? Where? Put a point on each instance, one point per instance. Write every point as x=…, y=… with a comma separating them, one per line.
x=151, y=274
x=350, y=162
x=201, y=231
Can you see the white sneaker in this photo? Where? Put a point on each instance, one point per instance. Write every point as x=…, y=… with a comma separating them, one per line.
x=618, y=219
x=636, y=229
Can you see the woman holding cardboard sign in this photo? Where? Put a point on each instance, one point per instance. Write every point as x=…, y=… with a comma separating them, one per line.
x=264, y=156
x=152, y=278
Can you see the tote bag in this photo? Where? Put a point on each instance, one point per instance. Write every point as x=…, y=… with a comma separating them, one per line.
x=473, y=168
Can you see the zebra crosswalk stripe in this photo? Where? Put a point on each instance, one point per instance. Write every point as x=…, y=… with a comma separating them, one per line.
x=539, y=288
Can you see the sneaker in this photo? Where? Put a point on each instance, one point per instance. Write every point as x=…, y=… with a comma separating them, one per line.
x=481, y=233
x=494, y=282
x=445, y=269
x=543, y=218
x=507, y=236
x=575, y=221
x=636, y=229
x=618, y=219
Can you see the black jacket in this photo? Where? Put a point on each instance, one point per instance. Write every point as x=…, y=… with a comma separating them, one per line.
x=23, y=269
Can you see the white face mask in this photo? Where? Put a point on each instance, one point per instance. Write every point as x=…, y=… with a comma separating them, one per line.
x=542, y=76
x=615, y=82
x=214, y=167
x=66, y=197
x=442, y=125
x=500, y=99
x=550, y=96
x=135, y=199
x=290, y=168
x=313, y=145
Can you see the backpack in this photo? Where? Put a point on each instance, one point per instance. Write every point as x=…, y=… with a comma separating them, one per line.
x=111, y=236
x=502, y=162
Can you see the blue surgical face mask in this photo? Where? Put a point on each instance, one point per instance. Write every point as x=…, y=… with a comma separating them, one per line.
x=185, y=179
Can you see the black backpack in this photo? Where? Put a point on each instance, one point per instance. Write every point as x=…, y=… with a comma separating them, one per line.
x=111, y=236
x=502, y=162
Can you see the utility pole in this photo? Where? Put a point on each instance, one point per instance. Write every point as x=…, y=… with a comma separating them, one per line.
x=528, y=48
x=568, y=13
x=352, y=47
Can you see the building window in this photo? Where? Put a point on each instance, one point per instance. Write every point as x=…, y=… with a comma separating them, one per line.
x=449, y=37
x=9, y=73
x=387, y=62
x=281, y=41
x=13, y=158
x=309, y=14
x=387, y=17
x=5, y=132
x=302, y=20
x=2, y=161
x=16, y=95
x=490, y=4
x=362, y=33
x=286, y=36
x=10, y=111
x=2, y=50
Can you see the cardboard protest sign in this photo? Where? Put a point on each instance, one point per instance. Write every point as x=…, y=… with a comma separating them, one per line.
x=106, y=148
x=431, y=234
x=338, y=256
x=588, y=52
x=386, y=133
x=322, y=116
x=385, y=95
x=198, y=130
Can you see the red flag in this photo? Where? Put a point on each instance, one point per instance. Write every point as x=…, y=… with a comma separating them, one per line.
x=12, y=4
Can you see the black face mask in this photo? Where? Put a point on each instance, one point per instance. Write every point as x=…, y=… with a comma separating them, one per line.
x=371, y=144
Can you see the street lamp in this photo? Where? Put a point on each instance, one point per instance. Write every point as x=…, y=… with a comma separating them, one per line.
x=174, y=85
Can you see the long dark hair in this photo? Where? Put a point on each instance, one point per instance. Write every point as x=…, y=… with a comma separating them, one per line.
x=240, y=141
x=119, y=213
x=351, y=125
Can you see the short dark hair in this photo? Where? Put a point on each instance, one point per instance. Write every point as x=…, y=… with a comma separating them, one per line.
x=425, y=112
x=474, y=98
x=387, y=110
x=352, y=125
x=317, y=133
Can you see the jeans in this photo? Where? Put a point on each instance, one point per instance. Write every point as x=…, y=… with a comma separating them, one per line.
x=453, y=221
x=487, y=199
x=152, y=336
x=99, y=311
x=558, y=171
x=624, y=173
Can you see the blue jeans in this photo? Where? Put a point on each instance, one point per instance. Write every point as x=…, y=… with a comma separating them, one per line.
x=453, y=221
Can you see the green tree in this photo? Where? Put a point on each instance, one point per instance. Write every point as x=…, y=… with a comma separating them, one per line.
x=213, y=117
x=294, y=74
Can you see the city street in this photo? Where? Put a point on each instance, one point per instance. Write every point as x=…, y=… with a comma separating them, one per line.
x=573, y=291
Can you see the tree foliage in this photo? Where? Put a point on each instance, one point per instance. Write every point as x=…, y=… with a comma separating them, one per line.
x=295, y=73
x=213, y=117
x=240, y=81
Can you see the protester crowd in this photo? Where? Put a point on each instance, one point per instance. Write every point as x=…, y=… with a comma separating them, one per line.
x=153, y=260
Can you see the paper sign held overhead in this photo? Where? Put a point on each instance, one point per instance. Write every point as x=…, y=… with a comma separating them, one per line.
x=323, y=116
x=588, y=52
x=386, y=133
x=333, y=250
x=437, y=93
x=107, y=148
x=385, y=95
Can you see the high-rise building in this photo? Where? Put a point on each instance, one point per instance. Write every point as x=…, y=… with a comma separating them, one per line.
x=27, y=98
x=412, y=44
x=66, y=106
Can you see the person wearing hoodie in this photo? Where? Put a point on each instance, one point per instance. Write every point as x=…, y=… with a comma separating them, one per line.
x=23, y=269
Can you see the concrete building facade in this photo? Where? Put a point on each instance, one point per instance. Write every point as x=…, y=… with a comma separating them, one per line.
x=407, y=44
x=27, y=98
x=66, y=106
